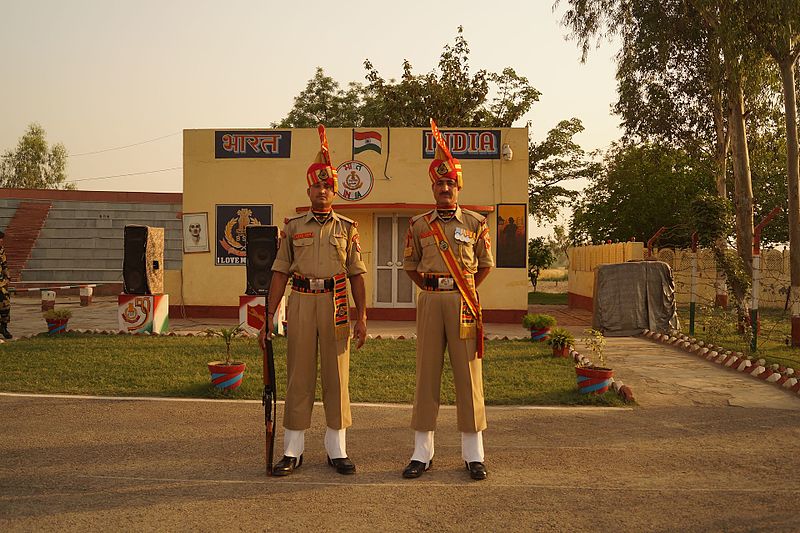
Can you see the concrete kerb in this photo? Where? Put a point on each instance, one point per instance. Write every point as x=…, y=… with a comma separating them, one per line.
x=781, y=376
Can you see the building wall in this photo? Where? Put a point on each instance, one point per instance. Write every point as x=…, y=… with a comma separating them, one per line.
x=401, y=185
x=583, y=260
x=582, y=263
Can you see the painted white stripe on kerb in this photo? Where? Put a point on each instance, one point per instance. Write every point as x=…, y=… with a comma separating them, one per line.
x=362, y=404
x=466, y=484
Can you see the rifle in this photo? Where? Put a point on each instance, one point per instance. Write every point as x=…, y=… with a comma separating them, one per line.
x=260, y=256
x=269, y=400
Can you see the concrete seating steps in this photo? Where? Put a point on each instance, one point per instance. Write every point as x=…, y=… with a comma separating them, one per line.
x=141, y=214
x=92, y=253
x=82, y=242
x=63, y=275
x=115, y=206
x=96, y=242
x=173, y=234
x=118, y=224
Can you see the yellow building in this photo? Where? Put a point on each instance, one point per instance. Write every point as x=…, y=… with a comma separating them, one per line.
x=235, y=177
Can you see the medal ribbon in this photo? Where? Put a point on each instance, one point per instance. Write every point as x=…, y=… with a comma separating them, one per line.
x=467, y=290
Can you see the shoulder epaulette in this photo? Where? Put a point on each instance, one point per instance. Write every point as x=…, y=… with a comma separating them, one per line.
x=414, y=219
x=287, y=219
x=345, y=219
x=480, y=218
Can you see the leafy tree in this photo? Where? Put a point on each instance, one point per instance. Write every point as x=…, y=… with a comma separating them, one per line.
x=775, y=26
x=539, y=256
x=33, y=164
x=641, y=189
x=553, y=161
x=451, y=94
x=454, y=96
x=559, y=243
x=324, y=102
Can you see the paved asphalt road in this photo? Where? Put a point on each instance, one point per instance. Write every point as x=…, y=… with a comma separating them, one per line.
x=707, y=449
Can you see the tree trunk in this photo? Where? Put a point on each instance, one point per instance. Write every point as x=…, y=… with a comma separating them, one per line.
x=721, y=147
x=743, y=188
x=793, y=169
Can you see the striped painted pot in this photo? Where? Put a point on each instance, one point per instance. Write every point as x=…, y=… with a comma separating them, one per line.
x=540, y=334
x=224, y=376
x=57, y=326
x=593, y=380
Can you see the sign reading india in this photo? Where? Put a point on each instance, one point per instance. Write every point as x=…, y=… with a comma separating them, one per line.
x=465, y=144
x=252, y=144
x=355, y=180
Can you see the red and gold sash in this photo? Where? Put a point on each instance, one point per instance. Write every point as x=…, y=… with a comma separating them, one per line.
x=341, y=318
x=466, y=286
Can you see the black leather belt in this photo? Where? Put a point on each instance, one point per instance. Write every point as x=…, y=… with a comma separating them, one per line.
x=439, y=282
x=312, y=285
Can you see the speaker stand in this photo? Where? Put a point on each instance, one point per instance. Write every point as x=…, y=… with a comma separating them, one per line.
x=143, y=313
x=252, y=313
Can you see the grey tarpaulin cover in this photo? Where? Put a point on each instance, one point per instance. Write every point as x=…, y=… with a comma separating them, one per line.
x=634, y=296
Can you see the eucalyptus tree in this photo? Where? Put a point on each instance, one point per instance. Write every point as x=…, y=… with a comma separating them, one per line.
x=775, y=27
x=33, y=164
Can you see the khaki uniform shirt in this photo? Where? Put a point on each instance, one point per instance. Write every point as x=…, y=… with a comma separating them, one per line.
x=468, y=236
x=319, y=251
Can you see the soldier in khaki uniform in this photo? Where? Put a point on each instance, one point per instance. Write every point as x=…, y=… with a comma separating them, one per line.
x=5, y=299
x=320, y=251
x=448, y=254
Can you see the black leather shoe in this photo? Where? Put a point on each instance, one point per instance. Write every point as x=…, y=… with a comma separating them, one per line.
x=416, y=469
x=4, y=332
x=343, y=465
x=286, y=466
x=477, y=470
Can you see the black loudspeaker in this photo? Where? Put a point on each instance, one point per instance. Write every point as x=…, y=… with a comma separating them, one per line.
x=262, y=247
x=143, y=260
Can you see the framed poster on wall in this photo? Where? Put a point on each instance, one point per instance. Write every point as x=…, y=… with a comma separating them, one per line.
x=195, y=233
x=512, y=241
x=232, y=221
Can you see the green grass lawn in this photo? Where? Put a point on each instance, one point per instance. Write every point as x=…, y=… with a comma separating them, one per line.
x=547, y=298
x=515, y=372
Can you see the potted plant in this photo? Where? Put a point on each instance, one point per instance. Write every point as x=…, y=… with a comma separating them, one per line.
x=593, y=379
x=539, y=325
x=226, y=374
x=561, y=340
x=57, y=320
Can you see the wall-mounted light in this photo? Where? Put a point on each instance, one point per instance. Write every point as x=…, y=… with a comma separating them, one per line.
x=508, y=153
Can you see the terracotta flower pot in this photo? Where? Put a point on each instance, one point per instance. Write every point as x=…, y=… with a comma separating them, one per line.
x=224, y=376
x=593, y=380
x=561, y=351
x=57, y=326
x=540, y=334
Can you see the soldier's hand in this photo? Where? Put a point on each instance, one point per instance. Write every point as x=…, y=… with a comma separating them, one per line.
x=263, y=335
x=360, y=332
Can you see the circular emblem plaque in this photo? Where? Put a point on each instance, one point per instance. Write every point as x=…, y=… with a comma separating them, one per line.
x=355, y=181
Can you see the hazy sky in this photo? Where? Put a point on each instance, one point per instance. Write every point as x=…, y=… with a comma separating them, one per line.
x=104, y=74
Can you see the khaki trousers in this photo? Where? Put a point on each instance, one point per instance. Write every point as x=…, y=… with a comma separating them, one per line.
x=438, y=316
x=310, y=324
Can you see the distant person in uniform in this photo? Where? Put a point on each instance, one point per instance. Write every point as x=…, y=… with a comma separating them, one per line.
x=320, y=251
x=5, y=298
x=448, y=254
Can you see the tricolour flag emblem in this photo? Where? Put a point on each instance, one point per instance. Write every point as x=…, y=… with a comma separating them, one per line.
x=366, y=140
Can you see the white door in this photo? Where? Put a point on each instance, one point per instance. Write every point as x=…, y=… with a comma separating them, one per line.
x=393, y=287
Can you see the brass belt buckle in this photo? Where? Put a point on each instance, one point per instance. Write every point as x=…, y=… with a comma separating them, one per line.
x=316, y=284
x=446, y=284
